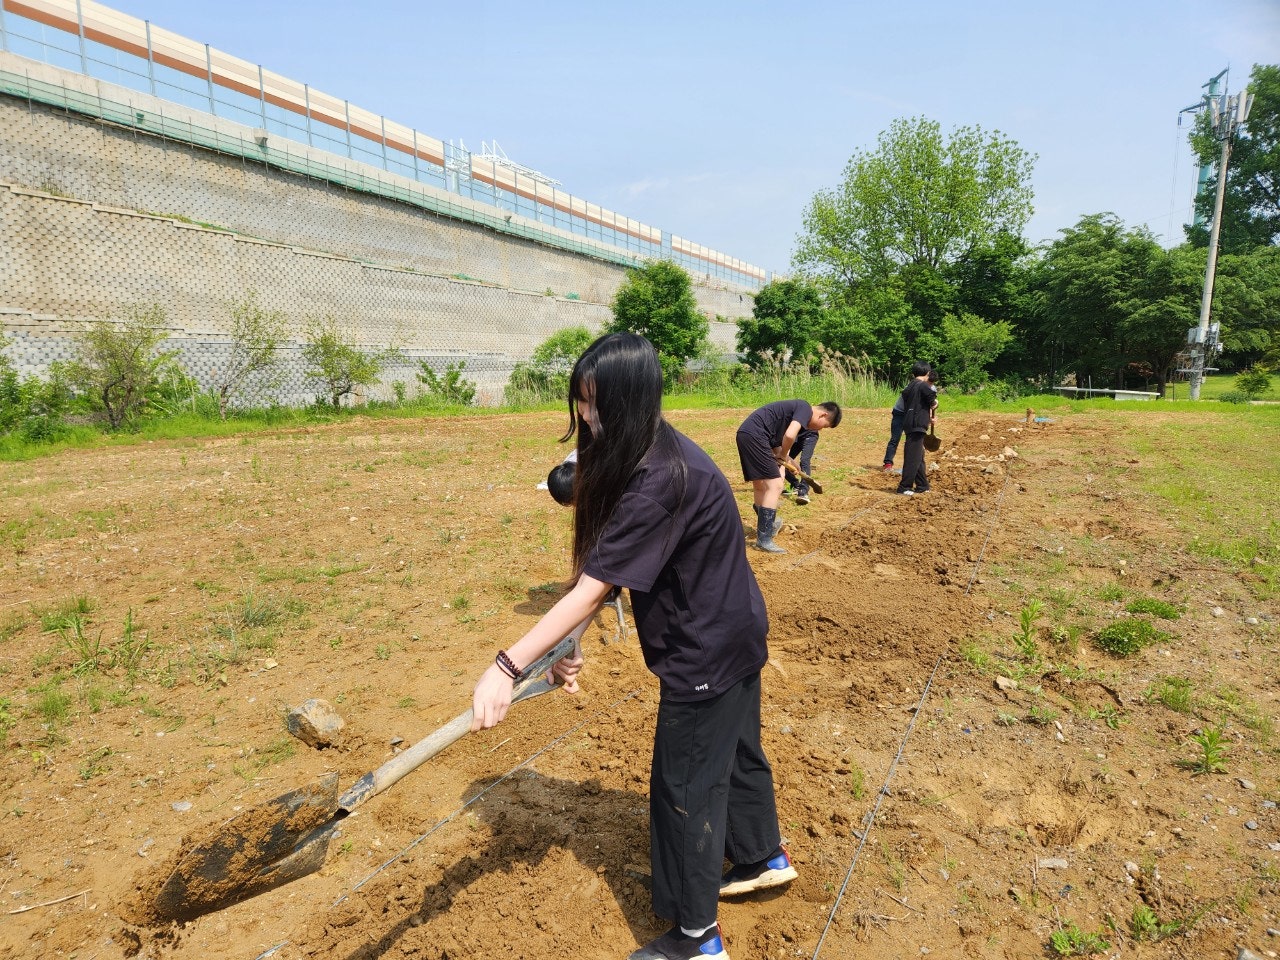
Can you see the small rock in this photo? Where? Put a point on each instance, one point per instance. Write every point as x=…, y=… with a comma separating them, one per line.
x=1057, y=735
x=315, y=723
x=182, y=806
x=1002, y=683
x=1132, y=868
x=1245, y=784
x=1251, y=621
x=1246, y=954
x=1009, y=453
x=1217, y=611
x=1273, y=932
x=1052, y=863
x=146, y=847
x=1251, y=824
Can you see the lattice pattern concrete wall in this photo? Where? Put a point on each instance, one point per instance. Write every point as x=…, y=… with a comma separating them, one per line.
x=389, y=274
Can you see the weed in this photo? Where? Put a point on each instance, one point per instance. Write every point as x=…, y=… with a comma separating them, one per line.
x=1111, y=593
x=12, y=626
x=1213, y=752
x=1126, y=637
x=1006, y=719
x=1111, y=716
x=857, y=783
x=1042, y=716
x=60, y=617
x=1157, y=608
x=382, y=652
x=1145, y=925
x=1025, y=640
x=1067, y=638
x=89, y=653
x=975, y=656
x=1174, y=692
x=131, y=649
x=8, y=720
x=1071, y=941
x=95, y=763
x=406, y=703
x=259, y=612
x=53, y=705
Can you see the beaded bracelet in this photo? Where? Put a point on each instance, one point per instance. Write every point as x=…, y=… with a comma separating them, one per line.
x=507, y=666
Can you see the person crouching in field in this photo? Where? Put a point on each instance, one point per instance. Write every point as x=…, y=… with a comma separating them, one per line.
x=653, y=513
x=764, y=440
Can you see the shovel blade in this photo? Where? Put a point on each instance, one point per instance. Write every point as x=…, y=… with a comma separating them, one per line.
x=256, y=851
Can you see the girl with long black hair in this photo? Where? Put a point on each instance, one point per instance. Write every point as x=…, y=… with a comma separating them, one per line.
x=654, y=514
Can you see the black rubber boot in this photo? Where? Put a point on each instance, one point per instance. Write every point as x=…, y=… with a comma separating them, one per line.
x=767, y=524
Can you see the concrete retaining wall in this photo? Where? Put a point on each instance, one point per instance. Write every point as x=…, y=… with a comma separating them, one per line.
x=95, y=218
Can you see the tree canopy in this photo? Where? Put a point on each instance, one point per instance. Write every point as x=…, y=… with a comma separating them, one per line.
x=920, y=199
x=656, y=301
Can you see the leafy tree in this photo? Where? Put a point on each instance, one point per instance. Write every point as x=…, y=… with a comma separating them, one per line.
x=656, y=301
x=255, y=340
x=1083, y=290
x=967, y=345
x=920, y=199
x=449, y=387
x=1246, y=301
x=1163, y=305
x=118, y=364
x=1251, y=202
x=877, y=323
x=784, y=321
x=546, y=373
x=337, y=365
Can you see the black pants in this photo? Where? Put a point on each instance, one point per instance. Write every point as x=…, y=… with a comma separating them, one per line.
x=913, y=472
x=710, y=797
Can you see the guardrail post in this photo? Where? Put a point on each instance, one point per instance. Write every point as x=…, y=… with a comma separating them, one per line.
x=151, y=62
x=84, y=59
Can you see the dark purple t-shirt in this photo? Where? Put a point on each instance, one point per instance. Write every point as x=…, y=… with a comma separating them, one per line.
x=772, y=419
x=697, y=608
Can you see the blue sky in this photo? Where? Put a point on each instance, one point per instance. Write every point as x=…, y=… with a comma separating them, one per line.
x=718, y=121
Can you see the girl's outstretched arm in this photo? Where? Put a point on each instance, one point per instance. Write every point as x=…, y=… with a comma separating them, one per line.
x=570, y=615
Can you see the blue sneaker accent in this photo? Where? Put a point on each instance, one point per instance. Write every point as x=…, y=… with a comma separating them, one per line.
x=675, y=944
x=750, y=877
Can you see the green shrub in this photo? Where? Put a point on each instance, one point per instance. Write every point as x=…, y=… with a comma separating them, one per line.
x=119, y=365
x=1253, y=382
x=1234, y=396
x=1157, y=608
x=1126, y=637
x=448, y=388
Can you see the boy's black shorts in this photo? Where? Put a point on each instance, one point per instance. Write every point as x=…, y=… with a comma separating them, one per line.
x=758, y=461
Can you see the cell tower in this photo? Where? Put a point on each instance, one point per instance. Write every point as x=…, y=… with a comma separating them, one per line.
x=1229, y=113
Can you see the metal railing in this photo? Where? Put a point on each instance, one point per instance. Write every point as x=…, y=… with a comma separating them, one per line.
x=87, y=38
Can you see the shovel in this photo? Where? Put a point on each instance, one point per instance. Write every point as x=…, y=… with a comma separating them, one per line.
x=288, y=837
x=795, y=468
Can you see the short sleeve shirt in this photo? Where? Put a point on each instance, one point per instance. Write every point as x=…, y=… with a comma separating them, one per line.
x=771, y=420
x=697, y=607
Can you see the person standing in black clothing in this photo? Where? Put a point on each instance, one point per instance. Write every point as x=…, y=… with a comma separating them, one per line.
x=653, y=513
x=801, y=451
x=919, y=401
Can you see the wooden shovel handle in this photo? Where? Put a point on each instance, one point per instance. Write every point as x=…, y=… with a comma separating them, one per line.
x=795, y=468
x=395, y=769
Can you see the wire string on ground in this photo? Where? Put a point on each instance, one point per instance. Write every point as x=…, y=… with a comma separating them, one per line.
x=870, y=819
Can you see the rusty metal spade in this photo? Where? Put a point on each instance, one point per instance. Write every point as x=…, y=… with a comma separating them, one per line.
x=288, y=838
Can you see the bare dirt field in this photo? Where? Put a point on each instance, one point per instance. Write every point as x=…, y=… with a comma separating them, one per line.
x=953, y=781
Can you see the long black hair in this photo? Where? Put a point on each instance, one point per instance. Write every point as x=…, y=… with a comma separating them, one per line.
x=621, y=374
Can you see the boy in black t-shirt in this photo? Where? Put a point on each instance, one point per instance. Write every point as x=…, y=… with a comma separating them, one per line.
x=764, y=440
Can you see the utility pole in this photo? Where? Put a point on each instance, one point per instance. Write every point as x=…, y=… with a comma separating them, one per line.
x=1229, y=114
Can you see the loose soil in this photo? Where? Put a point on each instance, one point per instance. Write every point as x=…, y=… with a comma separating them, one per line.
x=379, y=566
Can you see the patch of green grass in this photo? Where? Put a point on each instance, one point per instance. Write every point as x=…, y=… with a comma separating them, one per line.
x=1125, y=637
x=52, y=705
x=1175, y=693
x=1157, y=608
x=61, y=616
x=14, y=624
